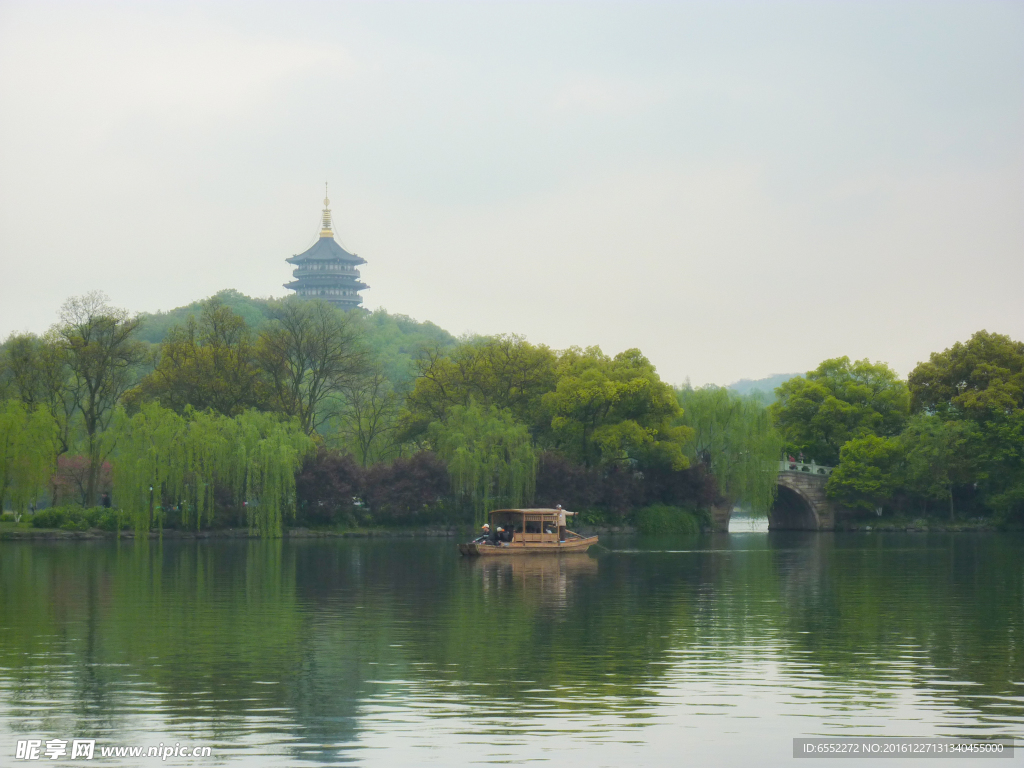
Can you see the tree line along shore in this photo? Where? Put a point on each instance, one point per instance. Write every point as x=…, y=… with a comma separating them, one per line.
x=240, y=413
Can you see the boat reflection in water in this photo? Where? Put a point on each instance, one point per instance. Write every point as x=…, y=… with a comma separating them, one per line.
x=545, y=579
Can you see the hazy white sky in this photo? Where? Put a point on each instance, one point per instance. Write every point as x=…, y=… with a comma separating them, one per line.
x=737, y=189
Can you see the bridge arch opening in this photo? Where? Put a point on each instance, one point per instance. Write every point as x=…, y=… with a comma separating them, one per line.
x=791, y=512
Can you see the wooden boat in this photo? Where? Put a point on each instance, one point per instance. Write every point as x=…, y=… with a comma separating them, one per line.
x=535, y=532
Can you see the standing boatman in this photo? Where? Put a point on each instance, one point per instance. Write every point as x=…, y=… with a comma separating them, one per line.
x=561, y=521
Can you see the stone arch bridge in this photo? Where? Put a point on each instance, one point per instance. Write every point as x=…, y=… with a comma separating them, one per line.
x=800, y=503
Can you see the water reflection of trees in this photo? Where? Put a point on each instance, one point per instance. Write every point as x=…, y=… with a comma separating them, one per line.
x=199, y=628
x=224, y=637
x=509, y=627
x=924, y=612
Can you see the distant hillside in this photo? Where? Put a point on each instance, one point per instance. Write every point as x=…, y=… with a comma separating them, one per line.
x=156, y=325
x=397, y=339
x=765, y=387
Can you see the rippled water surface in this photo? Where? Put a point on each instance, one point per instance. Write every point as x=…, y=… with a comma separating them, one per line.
x=699, y=651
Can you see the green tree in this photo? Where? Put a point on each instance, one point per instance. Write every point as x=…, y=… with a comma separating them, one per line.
x=37, y=372
x=155, y=326
x=398, y=342
x=210, y=362
x=21, y=369
x=187, y=457
x=504, y=371
x=311, y=353
x=28, y=439
x=368, y=421
x=837, y=402
x=103, y=356
x=490, y=456
x=614, y=409
x=937, y=457
x=150, y=462
x=981, y=383
x=980, y=379
x=270, y=451
x=868, y=474
x=734, y=437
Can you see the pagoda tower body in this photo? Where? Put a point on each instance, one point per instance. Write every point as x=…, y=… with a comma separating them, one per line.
x=327, y=271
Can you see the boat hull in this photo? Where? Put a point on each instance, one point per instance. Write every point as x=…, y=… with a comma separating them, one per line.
x=517, y=548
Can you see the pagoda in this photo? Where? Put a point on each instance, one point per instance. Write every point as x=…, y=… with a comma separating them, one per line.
x=327, y=271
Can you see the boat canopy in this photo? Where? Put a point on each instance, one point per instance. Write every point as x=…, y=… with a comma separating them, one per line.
x=525, y=523
x=540, y=514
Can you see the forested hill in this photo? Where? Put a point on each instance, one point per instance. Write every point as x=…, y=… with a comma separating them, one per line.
x=766, y=386
x=156, y=325
x=397, y=339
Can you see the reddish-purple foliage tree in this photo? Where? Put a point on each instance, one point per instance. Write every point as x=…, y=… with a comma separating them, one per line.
x=71, y=480
x=623, y=489
x=694, y=487
x=616, y=489
x=620, y=489
x=405, y=488
x=574, y=486
x=326, y=487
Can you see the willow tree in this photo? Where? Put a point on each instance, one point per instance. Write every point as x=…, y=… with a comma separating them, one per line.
x=210, y=455
x=149, y=461
x=269, y=451
x=186, y=458
x=164, y=455
x=28, y=445
x=734, y=438
x=490, y=456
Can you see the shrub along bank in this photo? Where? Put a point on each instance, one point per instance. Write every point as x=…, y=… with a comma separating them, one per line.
x=79, y=519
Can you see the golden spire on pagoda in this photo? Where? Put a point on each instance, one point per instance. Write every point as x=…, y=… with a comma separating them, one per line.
x=325, y=230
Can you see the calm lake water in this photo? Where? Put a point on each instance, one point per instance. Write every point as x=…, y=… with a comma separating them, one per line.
x=698, y=651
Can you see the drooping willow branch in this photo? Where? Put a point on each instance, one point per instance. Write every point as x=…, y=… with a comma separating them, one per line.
x=734, y=437
x=187, y=457
x=490, y=456
x=28, y=445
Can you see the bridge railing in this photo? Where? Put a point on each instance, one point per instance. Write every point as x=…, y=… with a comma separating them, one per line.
x=809, y=467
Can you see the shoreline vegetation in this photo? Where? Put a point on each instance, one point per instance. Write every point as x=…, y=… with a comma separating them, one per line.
x=280, y=415
x=9, y=533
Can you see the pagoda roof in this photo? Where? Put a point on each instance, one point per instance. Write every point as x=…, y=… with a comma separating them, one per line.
x=305, y=282
x=326, y=249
